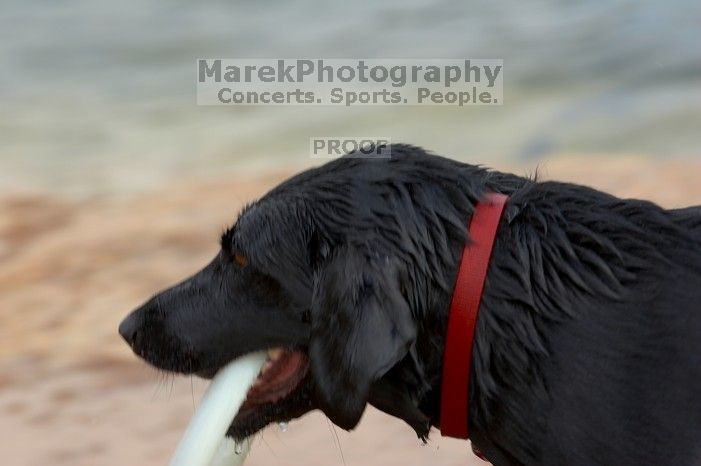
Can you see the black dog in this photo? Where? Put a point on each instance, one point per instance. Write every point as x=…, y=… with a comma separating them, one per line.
x=588, y=343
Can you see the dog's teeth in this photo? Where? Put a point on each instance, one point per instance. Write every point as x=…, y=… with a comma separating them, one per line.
x=275, y=353
x=268, y=364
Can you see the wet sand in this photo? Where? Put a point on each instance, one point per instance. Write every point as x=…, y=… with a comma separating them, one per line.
x=71, y=393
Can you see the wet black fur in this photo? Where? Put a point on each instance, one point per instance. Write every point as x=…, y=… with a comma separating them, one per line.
x=588, y=343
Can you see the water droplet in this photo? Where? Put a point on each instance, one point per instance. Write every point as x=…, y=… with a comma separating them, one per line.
x=282, y=426
x=238, y=447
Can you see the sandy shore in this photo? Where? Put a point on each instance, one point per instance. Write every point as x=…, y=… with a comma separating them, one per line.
x=71, y=393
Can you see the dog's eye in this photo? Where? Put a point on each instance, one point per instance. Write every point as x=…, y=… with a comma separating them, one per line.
x=240, y=259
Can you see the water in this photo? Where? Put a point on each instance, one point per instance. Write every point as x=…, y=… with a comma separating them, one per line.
x=239, y=447
x=98, y=96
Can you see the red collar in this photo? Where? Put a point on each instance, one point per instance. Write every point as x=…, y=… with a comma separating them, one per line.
x=457, y=358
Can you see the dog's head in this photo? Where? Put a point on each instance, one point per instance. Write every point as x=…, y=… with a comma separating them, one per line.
x=333, y=272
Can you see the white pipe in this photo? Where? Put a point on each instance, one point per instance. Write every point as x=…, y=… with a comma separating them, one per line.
x=205, y=434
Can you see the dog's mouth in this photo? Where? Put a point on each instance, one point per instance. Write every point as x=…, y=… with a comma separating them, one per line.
x=282, y=391
x=281, y=375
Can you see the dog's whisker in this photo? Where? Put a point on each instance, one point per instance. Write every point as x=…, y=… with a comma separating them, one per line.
x=192, y=393
x=272, y=451
x=336, y=441
x=172, y=382
x=162, y=379
x=158, y=385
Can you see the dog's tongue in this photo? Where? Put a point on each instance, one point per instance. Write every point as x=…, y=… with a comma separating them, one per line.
x=205, y=434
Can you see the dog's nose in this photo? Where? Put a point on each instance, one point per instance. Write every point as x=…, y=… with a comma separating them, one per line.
x=129, y=327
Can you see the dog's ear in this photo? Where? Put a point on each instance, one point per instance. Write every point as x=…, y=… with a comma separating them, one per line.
x=361, y=327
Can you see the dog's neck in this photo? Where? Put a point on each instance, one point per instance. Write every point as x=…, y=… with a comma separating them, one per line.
x=421, y=410
x=412, y=389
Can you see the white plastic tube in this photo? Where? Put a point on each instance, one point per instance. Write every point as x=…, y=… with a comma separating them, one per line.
x=204, y=439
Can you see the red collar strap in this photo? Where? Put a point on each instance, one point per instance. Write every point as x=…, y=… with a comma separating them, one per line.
x=467, y=296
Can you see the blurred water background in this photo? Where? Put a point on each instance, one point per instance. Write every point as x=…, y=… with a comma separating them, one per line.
x=114, y=183
x=98, y=97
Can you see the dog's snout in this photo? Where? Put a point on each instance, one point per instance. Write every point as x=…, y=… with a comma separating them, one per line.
x=129, y=328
